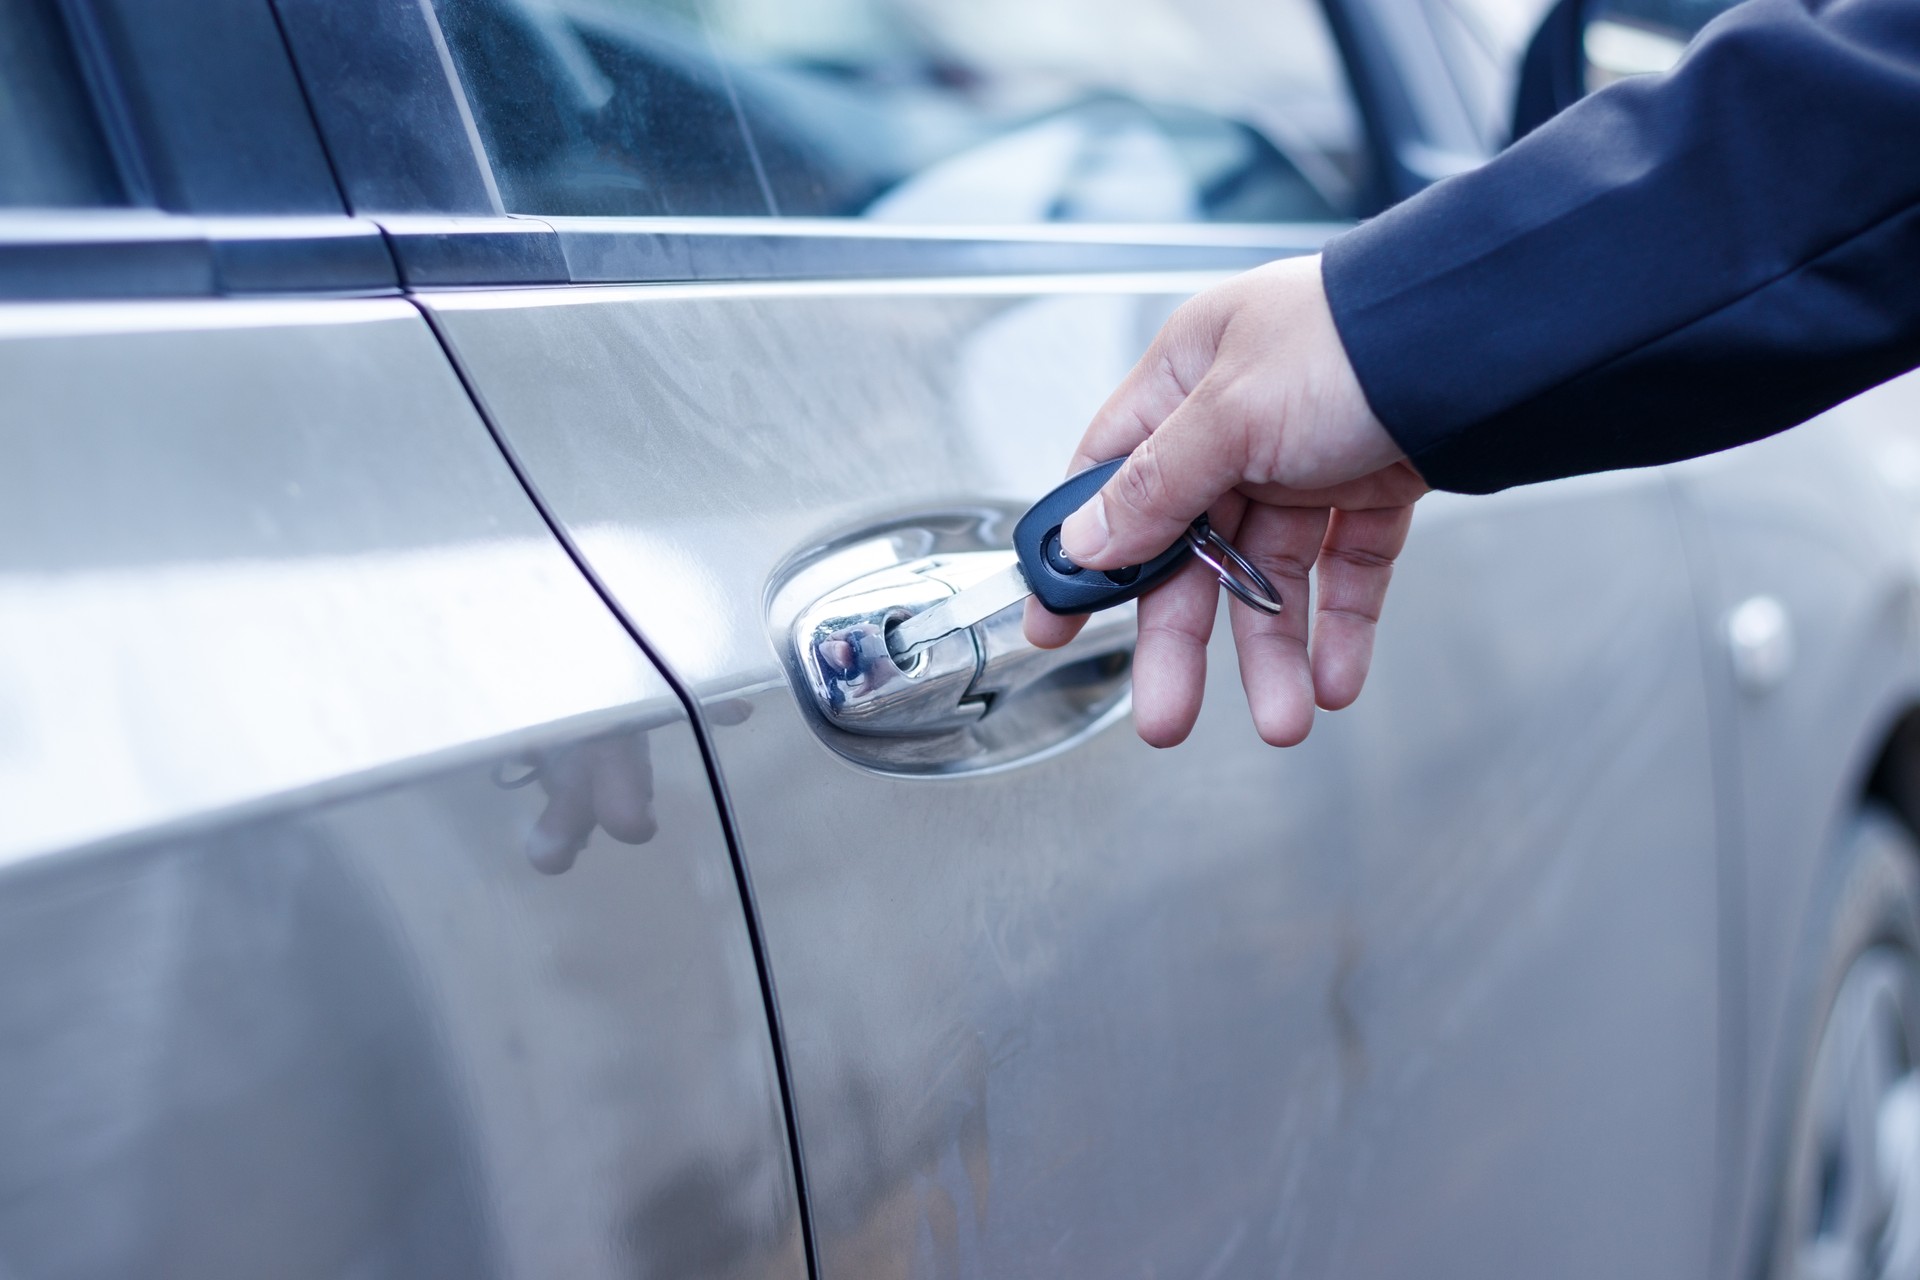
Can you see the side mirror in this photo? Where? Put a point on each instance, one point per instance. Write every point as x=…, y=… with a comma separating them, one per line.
x=1584, y=45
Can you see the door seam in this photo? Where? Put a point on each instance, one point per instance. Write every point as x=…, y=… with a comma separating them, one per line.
x=1733, y=1133
x=702, y=736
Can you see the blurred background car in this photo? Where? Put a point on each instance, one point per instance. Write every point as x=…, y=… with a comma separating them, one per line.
x=444, y=438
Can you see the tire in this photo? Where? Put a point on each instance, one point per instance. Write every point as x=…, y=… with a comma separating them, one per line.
x=1849, y=1198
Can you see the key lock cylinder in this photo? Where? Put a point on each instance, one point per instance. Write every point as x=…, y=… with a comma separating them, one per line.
x=861, y=686
x=933, y=645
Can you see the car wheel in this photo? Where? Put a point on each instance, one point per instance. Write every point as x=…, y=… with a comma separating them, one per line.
x=1850, y=1196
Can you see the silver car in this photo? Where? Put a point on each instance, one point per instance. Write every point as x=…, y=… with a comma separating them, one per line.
x=460, y=455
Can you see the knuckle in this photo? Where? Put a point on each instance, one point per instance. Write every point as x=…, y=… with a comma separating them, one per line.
x=1141, y=485
x=1358, y=558
x=1169, y=370
x=1176, y=634
x=1365, y=614
x=1280, y=564
x=1228, y=398
x=1196, y=317
x=1240, y=414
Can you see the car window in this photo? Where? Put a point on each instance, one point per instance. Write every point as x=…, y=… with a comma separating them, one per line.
x=1483, y=42
x=1622, y=38
x=1684, y=17
x=954, y=111
x=52, y=154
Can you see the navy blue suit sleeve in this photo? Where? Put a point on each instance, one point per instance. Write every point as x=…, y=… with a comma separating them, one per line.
x=1672, y=266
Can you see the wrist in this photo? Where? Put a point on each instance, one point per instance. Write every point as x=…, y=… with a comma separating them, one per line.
x=1333, y=433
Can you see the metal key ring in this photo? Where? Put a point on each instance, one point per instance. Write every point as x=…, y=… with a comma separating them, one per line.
x=1254, y=590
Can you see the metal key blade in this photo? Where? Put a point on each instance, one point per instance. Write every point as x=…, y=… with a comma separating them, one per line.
x=975, y=604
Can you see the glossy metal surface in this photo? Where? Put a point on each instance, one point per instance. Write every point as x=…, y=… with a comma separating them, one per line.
x=1002, y=588
x=129, y=253
x=1434, y=994
x=363, y=904
x=437, y=251
x=1824, y=520
x=252, y=547
x=367, y=1034
x=603, y=250
x=1081, y=681
x=1760, y=639
x=857, y=684
x=1237, y=574
x=852, y=668
x=432, y=251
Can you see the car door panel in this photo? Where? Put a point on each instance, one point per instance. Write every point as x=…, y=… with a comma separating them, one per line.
x=1111, y=1011
x=1814, y=528
x=365, y=904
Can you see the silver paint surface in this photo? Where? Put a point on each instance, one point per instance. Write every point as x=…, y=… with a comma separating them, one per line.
x=1825, y=520
x=1433, y=994
x=364, y=907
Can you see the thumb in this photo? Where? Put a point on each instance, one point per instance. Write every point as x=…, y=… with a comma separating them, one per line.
x=1177, y=472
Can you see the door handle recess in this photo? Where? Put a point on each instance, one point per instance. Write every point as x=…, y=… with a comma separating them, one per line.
x=959, y=680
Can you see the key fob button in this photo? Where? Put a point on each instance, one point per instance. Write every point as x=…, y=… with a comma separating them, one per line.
x=1056, y=557
x=1062, y=586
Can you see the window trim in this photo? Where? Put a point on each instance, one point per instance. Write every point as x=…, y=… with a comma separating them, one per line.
x=450, y=252
x=142, y=253
x=450, y=234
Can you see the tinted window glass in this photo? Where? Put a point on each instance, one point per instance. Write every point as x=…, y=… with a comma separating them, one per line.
x=51, y=151
x=1483, y=42
x=1683, y=16
x=959, y=111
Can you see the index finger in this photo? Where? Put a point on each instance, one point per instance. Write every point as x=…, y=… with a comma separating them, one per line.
x=1174, y=363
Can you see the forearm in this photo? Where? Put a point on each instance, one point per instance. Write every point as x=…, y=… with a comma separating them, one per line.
x=1671, y=267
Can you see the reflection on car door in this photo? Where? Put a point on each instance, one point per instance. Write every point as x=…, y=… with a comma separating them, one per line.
x=1435, y=990
x=1434, y=993
x=304, y=711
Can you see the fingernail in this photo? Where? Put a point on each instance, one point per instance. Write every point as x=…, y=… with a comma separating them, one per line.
x=1084, y=535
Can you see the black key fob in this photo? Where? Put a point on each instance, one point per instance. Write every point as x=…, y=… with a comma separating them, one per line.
x=1062, y=586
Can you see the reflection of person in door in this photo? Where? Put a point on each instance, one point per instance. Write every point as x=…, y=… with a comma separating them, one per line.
x=603, y=783
x=1675, y=265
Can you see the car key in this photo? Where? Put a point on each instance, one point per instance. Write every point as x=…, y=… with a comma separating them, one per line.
x=1043, y=571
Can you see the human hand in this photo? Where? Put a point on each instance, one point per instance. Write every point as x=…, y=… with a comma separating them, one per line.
x=1246, y=407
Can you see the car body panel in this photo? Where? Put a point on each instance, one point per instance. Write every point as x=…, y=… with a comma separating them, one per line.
x=1198, y=1012
x=367, y=902
x=301, y=699
x=1822, y=521
x=291, y=499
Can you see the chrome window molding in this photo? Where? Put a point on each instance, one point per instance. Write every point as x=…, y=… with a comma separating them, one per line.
x=141, y=253
x=438, y=252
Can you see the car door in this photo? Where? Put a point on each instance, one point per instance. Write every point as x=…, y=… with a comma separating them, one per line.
x=364, y=905
x=1807, y=574
x=1436, y=991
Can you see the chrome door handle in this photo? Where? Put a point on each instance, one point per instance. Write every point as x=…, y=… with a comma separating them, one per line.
x=840, y=642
